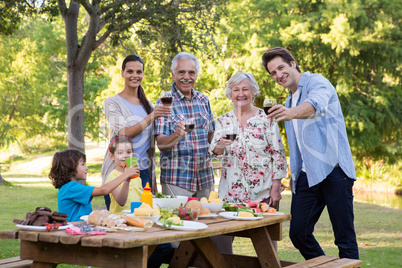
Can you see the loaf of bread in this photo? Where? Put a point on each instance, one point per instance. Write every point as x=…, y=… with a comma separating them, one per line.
x=105, y=218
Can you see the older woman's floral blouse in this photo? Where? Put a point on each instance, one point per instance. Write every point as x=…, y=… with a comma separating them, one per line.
x=255, y=158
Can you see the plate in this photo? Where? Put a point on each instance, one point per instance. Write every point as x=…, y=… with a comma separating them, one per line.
x=40, y=228
x=232, y=216
x=187, y=226
x=84, y=218
x=211, y=215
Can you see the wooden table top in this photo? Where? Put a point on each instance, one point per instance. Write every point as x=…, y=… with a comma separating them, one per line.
x=152, y=236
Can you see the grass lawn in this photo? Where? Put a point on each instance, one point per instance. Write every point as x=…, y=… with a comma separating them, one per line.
x=378, y=228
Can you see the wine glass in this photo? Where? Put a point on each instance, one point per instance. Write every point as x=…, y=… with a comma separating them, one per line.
x=189, y=125
x=231, y=134
x=166, y=100
x=268, y=103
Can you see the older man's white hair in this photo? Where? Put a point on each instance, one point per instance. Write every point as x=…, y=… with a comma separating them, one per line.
x=237, y=79
x=184, y=56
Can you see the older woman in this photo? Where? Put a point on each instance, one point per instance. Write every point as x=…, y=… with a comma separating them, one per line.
x=254, y=162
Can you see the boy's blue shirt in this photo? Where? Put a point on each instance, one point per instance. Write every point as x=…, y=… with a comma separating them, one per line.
x=75, y=199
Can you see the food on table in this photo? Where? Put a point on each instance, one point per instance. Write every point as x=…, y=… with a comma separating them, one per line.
x=175, y=220
x=139, y=222
x=106, y=218
x=145, y=205
x=193, y=204
x=166, y=213
x=188, y=213
x=264, y=207
x=159, y=195
x=217, y=200
x=142, y=212
x=204, y=211
x=245, y=214
x=146, y=211
x=204, y=200
x=43, y=216
x=212, y=195
x=155, y=212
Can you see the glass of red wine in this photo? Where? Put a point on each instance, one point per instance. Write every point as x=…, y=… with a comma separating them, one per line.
x=167, y=98
x=268, y=103
x=189, y=125
x=231, y=137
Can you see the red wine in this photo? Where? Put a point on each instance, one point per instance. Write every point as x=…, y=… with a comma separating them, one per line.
x=266, y=108
x=167, y=100
x=189, y=128
x=231, y=137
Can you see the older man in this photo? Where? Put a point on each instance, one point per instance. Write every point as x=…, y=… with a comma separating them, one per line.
x=186, y=167
x=320, y=158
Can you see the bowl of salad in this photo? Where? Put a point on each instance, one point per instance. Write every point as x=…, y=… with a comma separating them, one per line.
x=169, y=202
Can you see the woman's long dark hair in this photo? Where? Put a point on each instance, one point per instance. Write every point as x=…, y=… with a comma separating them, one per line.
x=141, y=92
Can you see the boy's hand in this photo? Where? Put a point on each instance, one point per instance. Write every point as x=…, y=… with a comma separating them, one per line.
x=133, y=171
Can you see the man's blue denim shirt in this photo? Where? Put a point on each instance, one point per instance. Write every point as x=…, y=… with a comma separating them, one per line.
x=323, y=138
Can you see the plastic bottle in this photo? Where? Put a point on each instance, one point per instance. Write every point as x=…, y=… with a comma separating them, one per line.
x=146, y=196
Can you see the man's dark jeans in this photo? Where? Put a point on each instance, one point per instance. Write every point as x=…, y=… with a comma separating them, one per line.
x=336, y=193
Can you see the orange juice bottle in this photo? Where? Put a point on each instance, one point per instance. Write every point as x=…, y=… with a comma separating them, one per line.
x=146, y=196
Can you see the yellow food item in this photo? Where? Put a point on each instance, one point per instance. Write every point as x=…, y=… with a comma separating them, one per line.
x=245, y=214
x=212, y=195
x=204, y=200
x=142, y=212
x=175, y=220
x=138, y=222
x=217, y=200
x=155, y=212
x=145, y=205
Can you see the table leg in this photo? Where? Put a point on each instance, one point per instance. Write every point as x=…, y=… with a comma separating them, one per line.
x=36, y=264
x=264, y=247
x=46, y=254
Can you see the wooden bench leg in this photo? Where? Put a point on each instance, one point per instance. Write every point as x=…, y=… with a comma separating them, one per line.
x=327, y=262
x=15, y=262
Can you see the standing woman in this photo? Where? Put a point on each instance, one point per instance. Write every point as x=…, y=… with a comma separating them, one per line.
x=130, y=113
x=254, y=162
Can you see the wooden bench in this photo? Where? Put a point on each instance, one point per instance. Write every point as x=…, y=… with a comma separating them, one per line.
x=327, y=262
x=15, y=262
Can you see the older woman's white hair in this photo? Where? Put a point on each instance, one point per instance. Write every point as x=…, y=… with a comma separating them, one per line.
x=184, y=56
x=237, y=79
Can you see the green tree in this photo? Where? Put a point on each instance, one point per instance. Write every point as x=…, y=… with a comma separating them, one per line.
x=113, y=21
x=29, y=77
x=355, y=44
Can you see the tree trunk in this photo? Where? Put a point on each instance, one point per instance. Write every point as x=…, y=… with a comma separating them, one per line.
x=77, y=60
x=2, y=180
x=76, y=125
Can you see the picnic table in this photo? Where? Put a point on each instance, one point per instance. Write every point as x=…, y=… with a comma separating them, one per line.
x=131, y=249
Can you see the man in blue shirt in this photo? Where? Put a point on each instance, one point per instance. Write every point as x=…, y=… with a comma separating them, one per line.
x=321, y=162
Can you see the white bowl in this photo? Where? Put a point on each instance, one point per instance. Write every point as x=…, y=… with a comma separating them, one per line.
x=170, y=203
x=213, y=207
